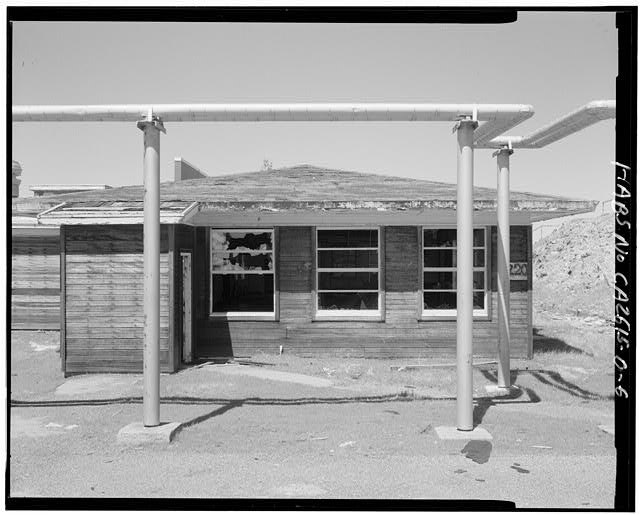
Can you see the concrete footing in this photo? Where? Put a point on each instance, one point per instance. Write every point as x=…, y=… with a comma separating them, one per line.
x=608, y=428
x=497, y=391
x=452, y=433
x=137, y=433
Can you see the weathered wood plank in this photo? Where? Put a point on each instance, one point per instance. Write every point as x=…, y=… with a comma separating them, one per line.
x=104, y=290
x=78, y=320
x=110, y=333
x=35, y=282
x=294, y=258
x=63, y=308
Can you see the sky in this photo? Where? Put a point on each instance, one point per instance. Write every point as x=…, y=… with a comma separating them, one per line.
x=555, y=61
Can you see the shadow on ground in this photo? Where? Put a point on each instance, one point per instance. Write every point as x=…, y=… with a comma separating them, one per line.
x=546, y=377
x=224, y=405
x=543, y=343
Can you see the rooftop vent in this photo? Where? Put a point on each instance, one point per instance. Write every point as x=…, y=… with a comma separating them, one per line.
x=16, y=171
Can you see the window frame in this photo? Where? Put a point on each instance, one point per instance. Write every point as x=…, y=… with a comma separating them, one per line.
x=451, y=314
x=245, y=315
x=374, y=315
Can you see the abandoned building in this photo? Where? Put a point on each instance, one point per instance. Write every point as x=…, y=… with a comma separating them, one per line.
x=307, y=260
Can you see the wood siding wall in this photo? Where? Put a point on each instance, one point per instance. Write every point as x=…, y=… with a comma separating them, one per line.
x=104, y=297
x=35, y=282
x=400, y=334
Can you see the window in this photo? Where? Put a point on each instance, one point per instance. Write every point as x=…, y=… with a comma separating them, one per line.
x=242, y=272
x=348, y=272
x=439, y=275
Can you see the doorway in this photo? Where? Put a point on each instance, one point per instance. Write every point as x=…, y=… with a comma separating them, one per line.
x=187, y=327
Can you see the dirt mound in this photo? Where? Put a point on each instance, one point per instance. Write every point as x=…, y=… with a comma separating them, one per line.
x=574, y=269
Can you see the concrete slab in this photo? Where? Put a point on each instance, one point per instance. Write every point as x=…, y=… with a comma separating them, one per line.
x=421, y=366
x=496, y=391
x=97, y=384
x=452, y=433
x=137, y=433
x=270, y=375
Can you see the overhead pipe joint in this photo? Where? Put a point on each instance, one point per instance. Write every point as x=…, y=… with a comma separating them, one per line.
x=583, y=117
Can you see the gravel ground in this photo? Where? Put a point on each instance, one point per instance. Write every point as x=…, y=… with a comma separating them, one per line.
x=254, y=434
x=574, y=269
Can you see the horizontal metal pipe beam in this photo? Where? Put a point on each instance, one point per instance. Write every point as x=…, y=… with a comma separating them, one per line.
x=499, y=117
x=583, y=117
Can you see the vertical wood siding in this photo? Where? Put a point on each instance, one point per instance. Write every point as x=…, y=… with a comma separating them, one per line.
x=401, y=334
x=35, y=282
x=104, y=308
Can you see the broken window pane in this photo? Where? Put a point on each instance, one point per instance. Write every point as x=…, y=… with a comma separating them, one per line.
x=348, y=281
x=241, y=261
x=439, y=300
x=348, y=300
x=242, y=292
x=242, y=271
x=238, y=241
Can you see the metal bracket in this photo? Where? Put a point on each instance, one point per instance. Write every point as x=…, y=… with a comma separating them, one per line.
x=505, y=148
x=465, y=119
x=151, y=120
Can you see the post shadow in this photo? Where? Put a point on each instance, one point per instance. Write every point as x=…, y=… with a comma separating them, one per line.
x=543, y=343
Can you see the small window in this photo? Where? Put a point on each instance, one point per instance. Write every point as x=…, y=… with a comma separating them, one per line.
x=439, y=273
x=242, y=273
x=348, y=272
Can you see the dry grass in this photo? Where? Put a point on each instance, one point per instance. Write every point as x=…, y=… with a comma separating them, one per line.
x=343, y=371
x=572, y=338
x=560, y=345
x=37, y=353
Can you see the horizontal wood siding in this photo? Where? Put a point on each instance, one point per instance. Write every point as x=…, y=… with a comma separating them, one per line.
x=35, y=282
x=104, y=308
x=520, y=252
x=402, y=275
x=401, y=334
x=295, y=272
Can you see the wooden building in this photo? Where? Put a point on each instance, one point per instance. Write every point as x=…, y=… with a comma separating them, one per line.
x=35, y=249
x=317, y=262
x=35, y=267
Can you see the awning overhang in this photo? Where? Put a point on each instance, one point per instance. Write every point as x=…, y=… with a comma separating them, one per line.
x=115, y=213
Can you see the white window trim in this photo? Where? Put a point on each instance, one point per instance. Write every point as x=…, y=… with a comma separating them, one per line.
x=351, y=314
x=433, y=314
x=244, y=315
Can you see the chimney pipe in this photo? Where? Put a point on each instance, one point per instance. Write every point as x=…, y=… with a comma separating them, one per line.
x=16, y=171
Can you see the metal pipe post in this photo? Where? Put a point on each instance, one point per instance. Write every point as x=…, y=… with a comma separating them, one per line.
x=504, y=286
x=464, y=319
x=151, y=355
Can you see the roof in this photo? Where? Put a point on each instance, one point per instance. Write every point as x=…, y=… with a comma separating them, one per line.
x=53, y=189
x=307, y=187
x=304, y=183
x=114, y=212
